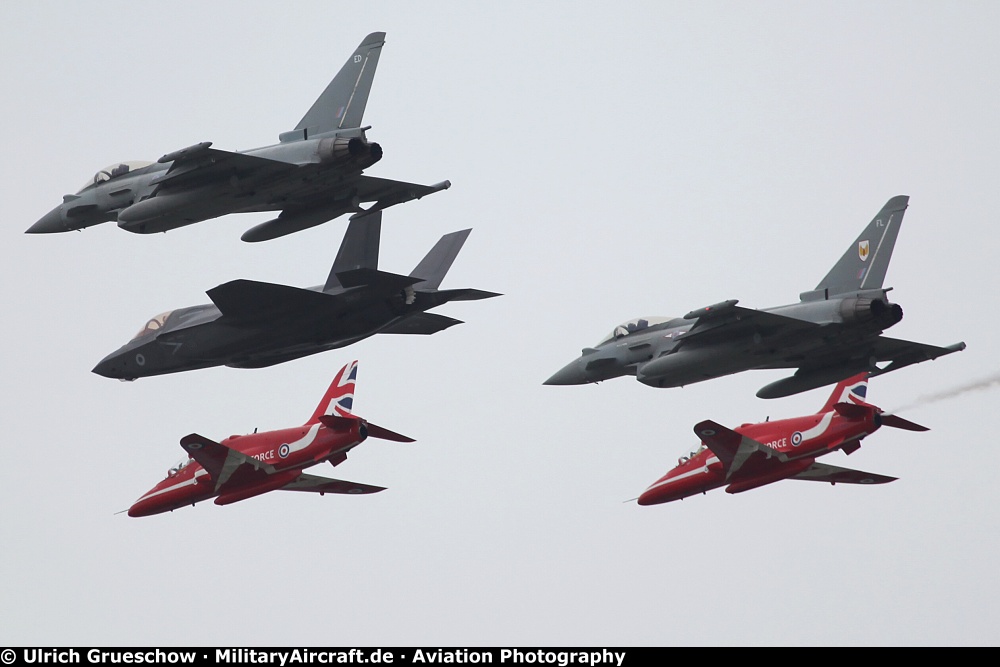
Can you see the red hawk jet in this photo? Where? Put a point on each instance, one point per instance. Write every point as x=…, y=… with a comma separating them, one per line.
x=757, y=454
x=243, y=466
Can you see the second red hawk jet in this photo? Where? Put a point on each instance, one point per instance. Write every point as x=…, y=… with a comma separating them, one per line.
x=243, y=466
x=754, y=455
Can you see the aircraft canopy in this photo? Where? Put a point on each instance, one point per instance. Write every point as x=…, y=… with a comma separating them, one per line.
x=180, y=465
x=154, y=324
x=632, y=326
x=114, y=171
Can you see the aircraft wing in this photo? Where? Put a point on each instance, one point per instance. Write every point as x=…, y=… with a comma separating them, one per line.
x=316, y=484
x=421, y=323
x=386, y=193
x=736, y=452
x=821, y=472
x=726, y=319
x=223, y=463
x=250, y=299
x=201, y=164
x=903, y=352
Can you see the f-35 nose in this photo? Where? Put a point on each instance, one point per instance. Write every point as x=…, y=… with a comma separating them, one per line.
x=50, y=223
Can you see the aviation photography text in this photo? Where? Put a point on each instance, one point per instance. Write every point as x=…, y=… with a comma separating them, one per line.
x=561, y=657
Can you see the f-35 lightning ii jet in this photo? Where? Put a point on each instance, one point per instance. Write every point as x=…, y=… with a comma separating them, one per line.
x=314, y=173
x=253, y=324
x=833, y=332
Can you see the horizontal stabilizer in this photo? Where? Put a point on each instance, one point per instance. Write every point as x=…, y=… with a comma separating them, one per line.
x=465, y=294
x=374, y=278
x=421, y=324
x=893, y=421
x=337, y=422
x=321, y=485
x=249, y=299
x=821, y=472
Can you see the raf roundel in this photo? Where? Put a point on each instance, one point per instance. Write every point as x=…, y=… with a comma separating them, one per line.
x=284, y=450
x=708, y=432
x=796, y=439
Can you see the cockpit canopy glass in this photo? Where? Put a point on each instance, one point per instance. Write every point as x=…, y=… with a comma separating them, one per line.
x=180, y=465
x=632, y=326
x=114, y=171
x=154, y=324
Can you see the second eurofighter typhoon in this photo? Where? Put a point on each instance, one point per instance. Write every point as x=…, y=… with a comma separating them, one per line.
x=252, y=324
x=314, y=173
x=831, y=334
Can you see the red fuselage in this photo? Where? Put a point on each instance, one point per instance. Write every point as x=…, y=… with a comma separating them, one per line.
x=800, y=439
x=287, y=451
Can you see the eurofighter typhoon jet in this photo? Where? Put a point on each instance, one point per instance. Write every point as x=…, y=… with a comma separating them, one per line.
x=253, y=324
x=832, y=333
x=314, y=173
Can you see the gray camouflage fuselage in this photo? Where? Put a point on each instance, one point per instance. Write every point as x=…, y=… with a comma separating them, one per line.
x=832, y=333
x=314, y=174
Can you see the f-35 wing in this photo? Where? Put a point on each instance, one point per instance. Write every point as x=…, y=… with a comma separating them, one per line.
x=202, y=164
x=821, y=472
x=321, y=485
x=250, y=299
x=736, y=452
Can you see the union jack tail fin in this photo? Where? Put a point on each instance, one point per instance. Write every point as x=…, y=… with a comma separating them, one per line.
x=339, y=398
x=853, y=390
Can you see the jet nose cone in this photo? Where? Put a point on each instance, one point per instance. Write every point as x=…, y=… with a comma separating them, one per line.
x=50, y=223
x=572, y=373
x=112, y=367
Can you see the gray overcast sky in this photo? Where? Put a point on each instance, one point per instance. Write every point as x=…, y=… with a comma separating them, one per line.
x=614, y=160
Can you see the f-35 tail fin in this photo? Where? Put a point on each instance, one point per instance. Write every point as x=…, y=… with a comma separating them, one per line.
x=433, y=267
x=359, y=249
x=342, y=104
x=864, y=265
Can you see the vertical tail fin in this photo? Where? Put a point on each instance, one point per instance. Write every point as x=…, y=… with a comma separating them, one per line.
x=435, y=265
x=342, y=104
x=852, y=390
x=359, y=249
x=339, y=398
x=864, y=265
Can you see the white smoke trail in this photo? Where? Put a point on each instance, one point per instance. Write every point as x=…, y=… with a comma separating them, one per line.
x=977, y=385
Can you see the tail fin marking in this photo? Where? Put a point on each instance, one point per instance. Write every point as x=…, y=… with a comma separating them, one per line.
x=864, y=265
x=339, y=397
x=852, y=390
x=342, y=103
